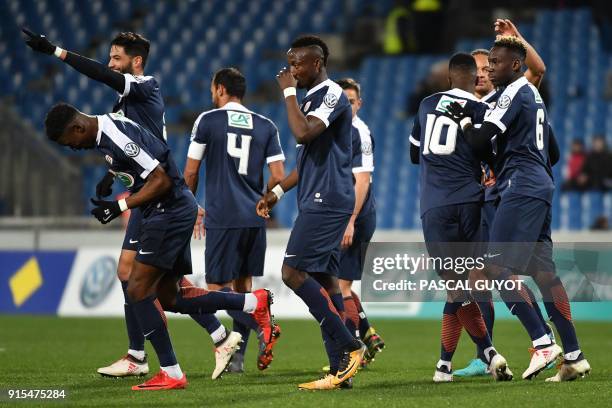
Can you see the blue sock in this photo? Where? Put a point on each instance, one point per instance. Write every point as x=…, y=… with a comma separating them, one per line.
x=519, y=303
x=364, y=324
x=561, y=315
x=485, y=303
x=537, y=309
x=208, y=321
x=245, y=332
x=155, y=330
x=321, y=307
x=193, y=300
x=134, y=331
x=332, y=350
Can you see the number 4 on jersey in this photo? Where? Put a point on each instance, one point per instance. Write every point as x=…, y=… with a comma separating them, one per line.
x=241, y=153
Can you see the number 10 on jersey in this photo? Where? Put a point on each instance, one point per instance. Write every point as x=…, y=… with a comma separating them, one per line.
x=433, y=133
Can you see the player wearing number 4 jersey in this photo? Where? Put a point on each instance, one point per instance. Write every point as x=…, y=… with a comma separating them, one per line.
x=451, y=196
x=524, y=176
x=237, y=144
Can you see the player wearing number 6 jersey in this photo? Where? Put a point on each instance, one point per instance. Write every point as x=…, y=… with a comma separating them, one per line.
x=451, y=197
x=237, y=143
x=524, y=176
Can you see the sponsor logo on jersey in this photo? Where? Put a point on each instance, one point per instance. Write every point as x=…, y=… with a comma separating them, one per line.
x=124, y=178
x=504, y=102
x=240, y=120
x=131, y=149
x=446, y=100
x=330, y=100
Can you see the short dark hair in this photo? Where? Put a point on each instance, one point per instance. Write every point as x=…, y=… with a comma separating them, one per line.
x=513, y=44
x=480, y=51
x=462, y=61
x=58, y=118
x=350, y=83
x=135, y=45
x=232, y=80
x=312, y=41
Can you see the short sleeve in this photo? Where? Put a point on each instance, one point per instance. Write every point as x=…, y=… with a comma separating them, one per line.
x=506, y=110
x=139, y=87
x=274, y=150
x=363, y=151
x=199, y=138
x=332, y=105
x=415, y=135
x=134, y=154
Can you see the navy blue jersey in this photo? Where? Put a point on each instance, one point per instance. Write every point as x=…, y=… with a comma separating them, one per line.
x=132, y=153
x=142, y=102
x=449, y=170
x=237, y=144
x=490, y=99
x=363, y=159
x=324, y=165
x=522, y=164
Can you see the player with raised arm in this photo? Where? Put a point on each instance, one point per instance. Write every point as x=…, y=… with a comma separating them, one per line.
x=361, y=225
x=488, y=94
x=451, y=197
x=169, y=212
x=523, y=217
x=321, y=125
x=237, y=144
x=140, y=100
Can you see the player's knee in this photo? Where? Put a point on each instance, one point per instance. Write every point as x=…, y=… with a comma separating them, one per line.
x=135, y=291
x=345, y=287
x=292, y=277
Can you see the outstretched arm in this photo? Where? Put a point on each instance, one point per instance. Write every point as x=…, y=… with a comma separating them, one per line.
x=535, y=65
x=89, y=67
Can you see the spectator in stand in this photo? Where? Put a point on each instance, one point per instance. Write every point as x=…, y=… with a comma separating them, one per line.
x=573, y=167
x=597, y=172
x=436, y=81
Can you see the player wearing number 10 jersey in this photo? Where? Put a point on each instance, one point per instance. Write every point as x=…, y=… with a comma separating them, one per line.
x=451, y=197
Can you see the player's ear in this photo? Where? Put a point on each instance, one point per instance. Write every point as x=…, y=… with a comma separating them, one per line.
x=137, y=62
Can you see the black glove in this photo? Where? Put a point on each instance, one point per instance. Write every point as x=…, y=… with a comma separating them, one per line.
x=457, y=112
x=105, y=211
x=38, y=42
x=105, y=187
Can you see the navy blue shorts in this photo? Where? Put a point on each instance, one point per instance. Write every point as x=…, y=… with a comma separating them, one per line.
x=452, y=231
x=165, y=236
x=132, y=232
x=314, y=243
x=232, y=253
x=525, y=222
x=351, y=259
x=488, y=215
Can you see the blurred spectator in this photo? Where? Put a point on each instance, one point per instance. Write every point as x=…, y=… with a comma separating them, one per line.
x=436, y=81
x=429, y=23
x=597, y=171
x=573, y=167
x=398, y=30
x=600, y=224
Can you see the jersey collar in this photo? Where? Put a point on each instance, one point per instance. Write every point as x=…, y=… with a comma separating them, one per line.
x=316, y=88
x=461, y=94
x=519, y=82
x=234, y=106
x=490, y=94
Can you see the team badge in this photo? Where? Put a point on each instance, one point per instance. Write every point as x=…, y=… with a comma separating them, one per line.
x=330, y=100
x=131, y=149
x=366, y=148
x=504, y=102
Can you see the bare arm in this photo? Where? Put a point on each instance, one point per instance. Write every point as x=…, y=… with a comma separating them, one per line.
x=362, y=185
x=191, y=174
x=277, y=174
x=535, y=65
x=156, y=186
x=269, y=200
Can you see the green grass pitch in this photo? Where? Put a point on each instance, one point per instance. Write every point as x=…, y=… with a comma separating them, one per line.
x=50, y=352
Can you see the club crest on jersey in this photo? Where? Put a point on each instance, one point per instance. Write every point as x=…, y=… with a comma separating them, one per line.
x=330, y=100
x=366, y=148
x=446, y=100
x=131, y=149
x=240, y=120
x=504, y=102
x=108, y=159
x=125, y=178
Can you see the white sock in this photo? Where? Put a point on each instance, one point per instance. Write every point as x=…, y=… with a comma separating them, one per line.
x=542, y=341
x=487, y=353
x=173, y=371
x=138, y=354
x=218, y=334
x=444, y=363
x=572, y=355
x=250, y=303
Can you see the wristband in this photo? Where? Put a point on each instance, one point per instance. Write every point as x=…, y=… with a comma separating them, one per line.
x=289, y=91
x=123, y=205
x=278, y=190
x=58, y=52
x=463, y=122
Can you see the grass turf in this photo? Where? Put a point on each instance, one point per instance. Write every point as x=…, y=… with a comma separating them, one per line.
x=50, y=352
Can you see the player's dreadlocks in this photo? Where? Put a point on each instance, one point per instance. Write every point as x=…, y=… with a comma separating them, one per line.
x=350, y=83
x=512, y=43
x=312, y=41
x=58, y=118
